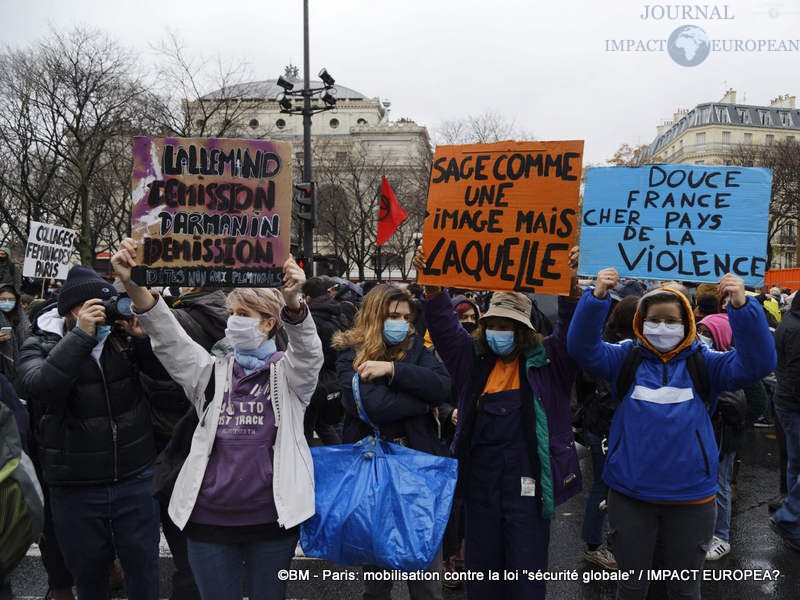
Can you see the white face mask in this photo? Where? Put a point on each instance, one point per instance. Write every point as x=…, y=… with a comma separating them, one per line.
x=243, y=332
x=664, y=336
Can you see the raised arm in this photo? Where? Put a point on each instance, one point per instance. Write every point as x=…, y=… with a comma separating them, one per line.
x=585, y=335
x=754, y=355
x=186, y=361
x=304, y=354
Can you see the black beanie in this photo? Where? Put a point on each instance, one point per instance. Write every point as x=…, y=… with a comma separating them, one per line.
x=82, y=284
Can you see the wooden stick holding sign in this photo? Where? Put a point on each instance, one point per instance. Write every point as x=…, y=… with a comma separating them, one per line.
x=503, y=216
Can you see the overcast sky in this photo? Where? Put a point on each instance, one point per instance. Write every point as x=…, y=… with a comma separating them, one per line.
x=543, y=65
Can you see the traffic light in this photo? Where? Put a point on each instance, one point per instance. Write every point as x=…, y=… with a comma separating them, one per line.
x=305, y=195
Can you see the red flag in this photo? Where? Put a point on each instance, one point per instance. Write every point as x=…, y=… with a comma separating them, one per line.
x=390, y=214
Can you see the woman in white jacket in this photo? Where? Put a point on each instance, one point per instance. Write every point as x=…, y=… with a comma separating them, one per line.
x=248, y=481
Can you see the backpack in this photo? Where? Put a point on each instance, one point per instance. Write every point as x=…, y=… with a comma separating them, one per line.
x=21, y=500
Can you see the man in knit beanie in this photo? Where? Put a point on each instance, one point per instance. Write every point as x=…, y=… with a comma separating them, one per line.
x=95, y=437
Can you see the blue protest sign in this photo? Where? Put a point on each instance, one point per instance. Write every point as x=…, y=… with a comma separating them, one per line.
x=683, y=222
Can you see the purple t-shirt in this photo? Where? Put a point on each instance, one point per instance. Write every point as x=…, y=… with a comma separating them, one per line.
x=237, y=485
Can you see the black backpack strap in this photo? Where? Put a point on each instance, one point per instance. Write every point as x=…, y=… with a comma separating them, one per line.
x=209, y=391
x=698, y=371
x=628, y=372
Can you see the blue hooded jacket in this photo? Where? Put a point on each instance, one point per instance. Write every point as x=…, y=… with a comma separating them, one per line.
x=661, y=444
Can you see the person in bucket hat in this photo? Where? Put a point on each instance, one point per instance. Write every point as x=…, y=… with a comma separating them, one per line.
x=513, y=439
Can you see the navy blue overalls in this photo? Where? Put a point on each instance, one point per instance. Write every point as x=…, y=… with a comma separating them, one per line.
x=505, y=532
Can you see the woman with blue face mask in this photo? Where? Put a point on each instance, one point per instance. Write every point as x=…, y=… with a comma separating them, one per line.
x=661, y=465
x=14, y=328
x=248, y=481
x=401, y=385
x=514, y=441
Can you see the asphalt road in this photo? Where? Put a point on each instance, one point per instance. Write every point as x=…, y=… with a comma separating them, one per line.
x=758, y=567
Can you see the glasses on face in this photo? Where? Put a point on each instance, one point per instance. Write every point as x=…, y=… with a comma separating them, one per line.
x=671, y=324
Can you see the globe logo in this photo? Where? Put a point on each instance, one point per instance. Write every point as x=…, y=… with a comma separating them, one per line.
x=688, y=46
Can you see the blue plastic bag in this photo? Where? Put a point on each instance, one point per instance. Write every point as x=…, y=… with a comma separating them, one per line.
x=378, y=503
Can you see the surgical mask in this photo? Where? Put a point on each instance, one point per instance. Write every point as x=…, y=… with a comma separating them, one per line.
x=7, y=305
x=394, y=331
x=706, y=340
x=102, y=332
x=469, y=326
x=501, y=342
x=664, y=336
x=243, y=332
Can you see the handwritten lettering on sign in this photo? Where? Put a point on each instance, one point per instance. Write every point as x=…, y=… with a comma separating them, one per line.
x=685, y=222
x=48, y=251
x=502, y=216
x=211, y=212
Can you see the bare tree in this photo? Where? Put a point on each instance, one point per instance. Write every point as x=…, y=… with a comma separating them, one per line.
x=77, y=98
x=487, y=127
x=29, y=142
x=629, y=156
x=783, y=157
x=349, y=184
x=202, y=97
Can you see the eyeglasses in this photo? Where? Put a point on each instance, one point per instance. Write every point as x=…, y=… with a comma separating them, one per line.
x=672, y=325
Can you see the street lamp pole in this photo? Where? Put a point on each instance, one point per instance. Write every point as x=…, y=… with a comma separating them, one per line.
x=315, y=100
x=308, y=226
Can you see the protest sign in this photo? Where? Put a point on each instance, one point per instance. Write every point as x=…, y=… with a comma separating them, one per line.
x=502, y=216
x=211, y=212
x=684, y=222
x=48, y=251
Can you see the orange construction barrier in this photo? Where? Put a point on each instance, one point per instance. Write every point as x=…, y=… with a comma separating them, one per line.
x=783, y=278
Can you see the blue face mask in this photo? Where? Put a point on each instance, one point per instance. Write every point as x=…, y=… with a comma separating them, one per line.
x=706, y=340
x=394, y=331
x=102, y=332
x=501, y=342
x=7, y=305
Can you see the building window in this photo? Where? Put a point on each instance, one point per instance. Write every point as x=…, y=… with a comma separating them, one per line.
x=722, y=115
x=764, y=116
x=253, y=123
x=726, y=141
x=788, y=259
x=744, y=116
x=280, y=123
x=786, y=119
x=770, y=140
x=334, y=123
x=341, y=156
x=700, y=142
x=748, y=140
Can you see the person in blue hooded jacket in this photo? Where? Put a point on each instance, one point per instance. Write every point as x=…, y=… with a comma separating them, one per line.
x=661, y=466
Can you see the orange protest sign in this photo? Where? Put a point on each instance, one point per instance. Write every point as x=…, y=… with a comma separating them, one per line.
x=502, y=216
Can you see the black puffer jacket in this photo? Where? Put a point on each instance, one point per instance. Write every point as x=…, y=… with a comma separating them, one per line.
x=92, y=425
x=203, y=315
x=402, y=408
x=787, y=342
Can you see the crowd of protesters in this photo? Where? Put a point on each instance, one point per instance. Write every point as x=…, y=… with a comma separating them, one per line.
x=657, y=381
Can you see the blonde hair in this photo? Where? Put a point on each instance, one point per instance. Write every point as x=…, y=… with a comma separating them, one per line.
x=366, y=335
x=267, y=302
